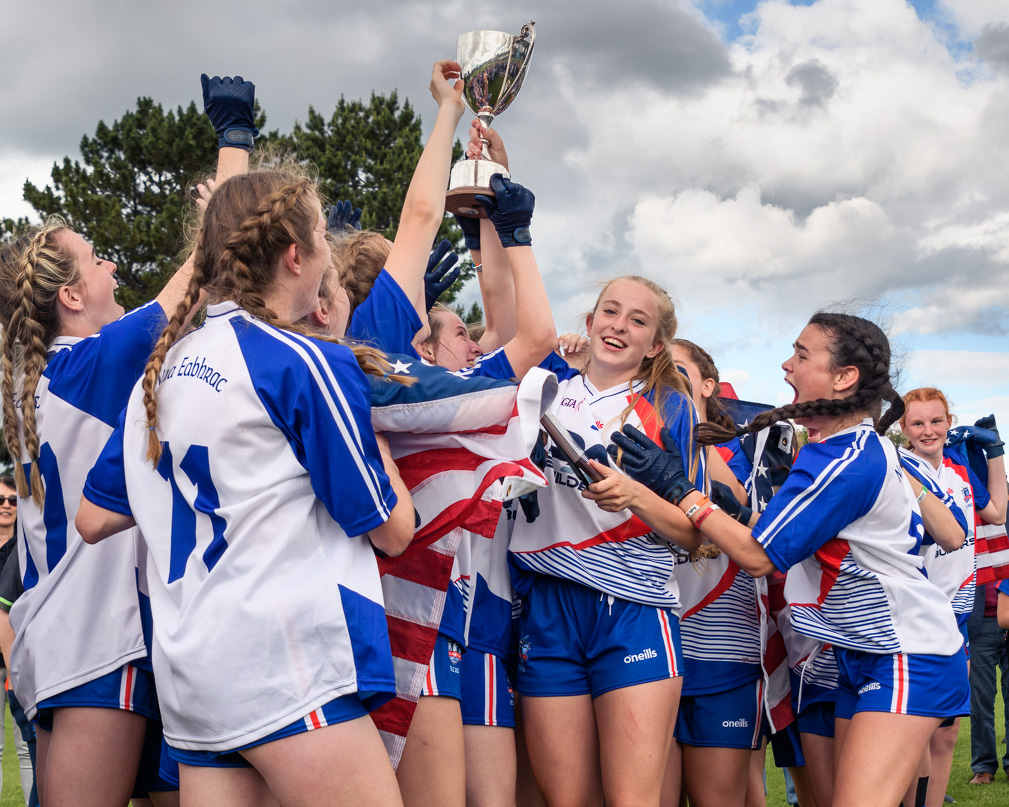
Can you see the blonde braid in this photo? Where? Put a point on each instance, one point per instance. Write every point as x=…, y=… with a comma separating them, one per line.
x=32, y=270
x=168, y=338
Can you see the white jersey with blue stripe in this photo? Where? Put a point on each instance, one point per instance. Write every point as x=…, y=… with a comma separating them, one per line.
x=614, y=553
x=847, y=520
x=264, y=589
x=79, y=617
x=951, y=570
x=719, y=625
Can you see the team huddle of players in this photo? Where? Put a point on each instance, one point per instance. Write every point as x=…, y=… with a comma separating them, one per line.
x=206, y=512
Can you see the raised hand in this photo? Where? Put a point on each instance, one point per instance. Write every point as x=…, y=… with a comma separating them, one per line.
x=343, y=216
x=478, y=134
x=510, y=210
x=985, y=434
x=446, y=86
x=442, y=271
x=228, y=103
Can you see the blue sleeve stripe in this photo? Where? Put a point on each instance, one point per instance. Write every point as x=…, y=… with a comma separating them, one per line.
x=323, y=373
x=832, y=470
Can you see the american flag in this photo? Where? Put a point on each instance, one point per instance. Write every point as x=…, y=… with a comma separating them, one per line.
x=991, y=544
x=767, y=448
x=462, y=448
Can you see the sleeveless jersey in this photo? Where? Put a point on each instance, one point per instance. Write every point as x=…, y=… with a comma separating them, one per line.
x=846, y=514
x=952, y=571
x=264, y=589
x=79, y=618
x=614, y=553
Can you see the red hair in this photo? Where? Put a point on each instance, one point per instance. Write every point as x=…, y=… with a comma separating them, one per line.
x=922, y=395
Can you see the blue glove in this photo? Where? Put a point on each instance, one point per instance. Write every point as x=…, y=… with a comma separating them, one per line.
x=343, y=216
x=511, y=211
x=722, y=495
x=655, y=468
x=986, y=435
x=470, y=231
x=228, y=103
x=442, y=272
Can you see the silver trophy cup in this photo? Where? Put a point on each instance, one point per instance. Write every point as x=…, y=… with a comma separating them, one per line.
x=494, y=66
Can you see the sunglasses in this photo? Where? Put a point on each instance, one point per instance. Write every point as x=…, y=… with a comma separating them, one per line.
x=11, y=500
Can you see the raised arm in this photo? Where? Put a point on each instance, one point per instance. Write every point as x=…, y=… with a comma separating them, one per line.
x=986, y=434
x=424, y=206
x=229, y=103
x=511, y=210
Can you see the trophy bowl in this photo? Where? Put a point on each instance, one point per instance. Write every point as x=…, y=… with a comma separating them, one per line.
x=494, y=65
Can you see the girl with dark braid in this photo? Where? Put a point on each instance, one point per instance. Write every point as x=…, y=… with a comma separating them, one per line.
x=847, y=523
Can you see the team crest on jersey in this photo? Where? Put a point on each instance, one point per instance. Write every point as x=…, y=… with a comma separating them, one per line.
x=454, y=654
x=968, y=494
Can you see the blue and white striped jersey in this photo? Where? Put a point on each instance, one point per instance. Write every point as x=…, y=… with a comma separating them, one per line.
x=954, y=483
x=614, y=553
x=847, y=520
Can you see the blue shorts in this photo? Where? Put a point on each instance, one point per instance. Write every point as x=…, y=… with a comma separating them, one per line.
x=150, y=778
x=444, y=670
x=817, y=718
x=730, y=719
x=340, y=710
x=129, y=688
x=575, y=641
x=786, y=745
x=487, y=697
x=911, y=684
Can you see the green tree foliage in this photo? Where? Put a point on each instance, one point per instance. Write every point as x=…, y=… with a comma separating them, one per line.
x=128, y=195
x=366, y=152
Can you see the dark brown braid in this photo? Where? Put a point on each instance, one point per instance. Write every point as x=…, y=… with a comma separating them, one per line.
x=853, y=342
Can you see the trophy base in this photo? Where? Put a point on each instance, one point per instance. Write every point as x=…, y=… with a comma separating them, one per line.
x=470, y=178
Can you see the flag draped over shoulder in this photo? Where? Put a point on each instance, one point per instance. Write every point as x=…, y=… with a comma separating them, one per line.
x=462, y=447
x=991, y=544
x=767, y=449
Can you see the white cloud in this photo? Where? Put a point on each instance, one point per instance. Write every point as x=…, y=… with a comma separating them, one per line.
x=970, y=16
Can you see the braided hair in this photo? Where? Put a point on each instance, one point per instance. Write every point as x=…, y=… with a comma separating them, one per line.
x=852, y=342
x=359, y=257
x=33, y=269
x=249, y=222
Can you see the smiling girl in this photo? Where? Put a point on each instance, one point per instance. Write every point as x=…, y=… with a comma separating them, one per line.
x=925, y=423
x=599, y=655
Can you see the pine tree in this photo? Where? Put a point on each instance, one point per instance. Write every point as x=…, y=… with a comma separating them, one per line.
x=128, y=196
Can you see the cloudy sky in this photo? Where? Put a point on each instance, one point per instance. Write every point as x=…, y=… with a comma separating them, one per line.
x=759, y=159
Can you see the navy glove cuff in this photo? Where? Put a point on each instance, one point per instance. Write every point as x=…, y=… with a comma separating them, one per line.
x=237, y=138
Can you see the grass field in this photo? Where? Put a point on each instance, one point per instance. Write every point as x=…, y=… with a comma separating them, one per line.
x=994, y=795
